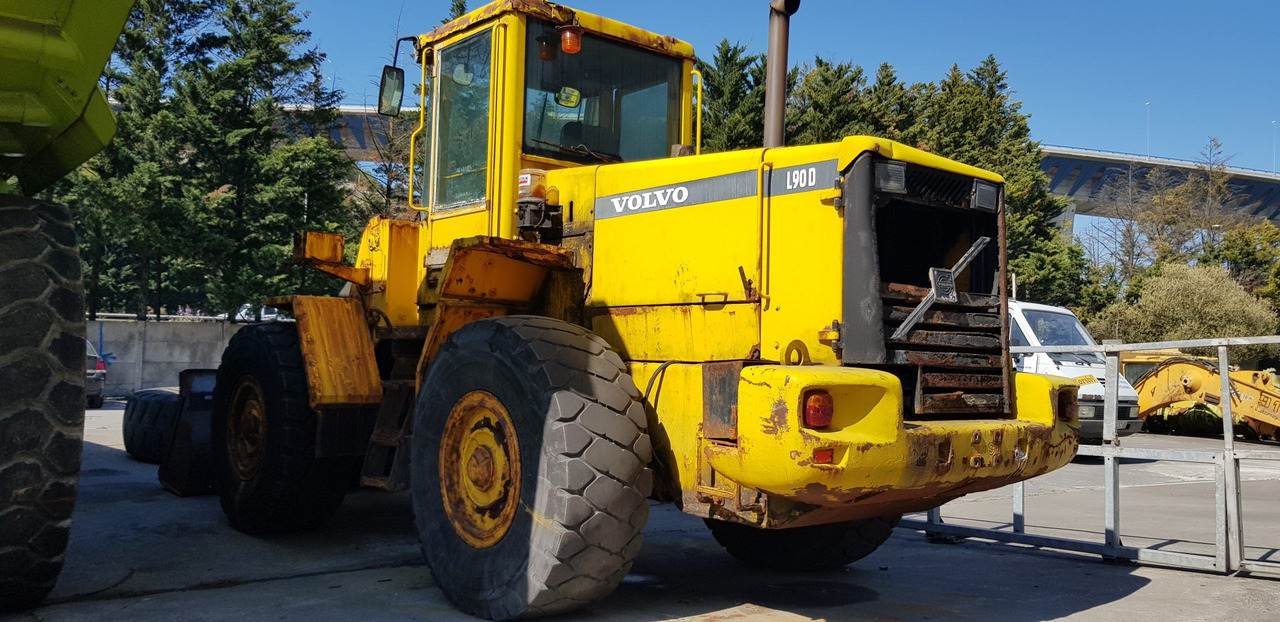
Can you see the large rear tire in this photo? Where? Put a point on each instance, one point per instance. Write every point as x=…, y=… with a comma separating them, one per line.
x=150, y=418
x=803, y=549
x=263, y=433
x=42, y=356
x=523, y=417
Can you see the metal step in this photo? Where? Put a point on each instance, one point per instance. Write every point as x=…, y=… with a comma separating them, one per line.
x=385, y=465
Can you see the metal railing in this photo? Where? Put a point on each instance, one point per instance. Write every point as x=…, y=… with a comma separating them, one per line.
x=1229, y=555
x=116, y=317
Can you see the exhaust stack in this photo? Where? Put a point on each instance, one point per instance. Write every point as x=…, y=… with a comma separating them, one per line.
x=775, y=89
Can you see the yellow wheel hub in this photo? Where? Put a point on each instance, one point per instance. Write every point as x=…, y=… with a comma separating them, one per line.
x=480, y=469
x=247, y=429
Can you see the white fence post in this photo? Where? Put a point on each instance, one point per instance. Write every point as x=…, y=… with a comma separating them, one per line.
x=1235, y=530
x=1111, y=465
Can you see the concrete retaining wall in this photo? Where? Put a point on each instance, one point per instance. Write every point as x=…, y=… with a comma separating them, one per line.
x=141, y=355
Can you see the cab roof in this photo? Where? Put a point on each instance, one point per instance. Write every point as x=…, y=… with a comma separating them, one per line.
x=561, y=15
x=1034, y=306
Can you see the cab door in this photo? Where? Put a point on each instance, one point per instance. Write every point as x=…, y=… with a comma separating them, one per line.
x=461, y=149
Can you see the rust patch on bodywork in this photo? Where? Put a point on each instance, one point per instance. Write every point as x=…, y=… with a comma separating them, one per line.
x=777, y=419
x=559, y=15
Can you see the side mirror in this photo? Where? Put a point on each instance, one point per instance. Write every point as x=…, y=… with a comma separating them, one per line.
x=390, y=91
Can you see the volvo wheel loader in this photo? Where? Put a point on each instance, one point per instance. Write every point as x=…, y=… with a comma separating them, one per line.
x=797, y=344
x=53, y=117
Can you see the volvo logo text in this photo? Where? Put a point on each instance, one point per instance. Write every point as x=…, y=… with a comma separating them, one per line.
x=651, y=199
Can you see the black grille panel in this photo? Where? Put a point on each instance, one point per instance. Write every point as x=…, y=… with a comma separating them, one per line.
x=951, y=363
x=936, y=187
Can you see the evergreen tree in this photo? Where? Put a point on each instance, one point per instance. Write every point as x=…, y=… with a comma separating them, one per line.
x=733, y=113
x=260, y=185
x=889, y=107
x=825, y=103
x=973, y=118
x=457, y=8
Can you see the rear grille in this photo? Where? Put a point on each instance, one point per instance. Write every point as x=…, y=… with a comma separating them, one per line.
x=952, y=363
x=938, y=187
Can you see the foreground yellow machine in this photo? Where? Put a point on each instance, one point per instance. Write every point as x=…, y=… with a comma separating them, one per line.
x=1182, y=394
x=797, y=344
x=53, y=117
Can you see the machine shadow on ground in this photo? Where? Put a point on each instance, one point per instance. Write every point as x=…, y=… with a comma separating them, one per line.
x=134, y=539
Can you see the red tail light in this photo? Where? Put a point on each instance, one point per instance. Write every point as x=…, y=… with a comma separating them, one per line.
x=819, y=408
x=100, y=365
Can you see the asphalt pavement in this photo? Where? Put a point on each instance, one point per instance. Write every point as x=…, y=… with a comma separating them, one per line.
x=140, y=553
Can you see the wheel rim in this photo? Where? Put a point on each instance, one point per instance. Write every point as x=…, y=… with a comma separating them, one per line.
x=247, y=429
x=480, y=469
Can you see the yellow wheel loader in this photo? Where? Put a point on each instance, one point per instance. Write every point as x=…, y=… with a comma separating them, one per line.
x=797, y=344
x=53, y=117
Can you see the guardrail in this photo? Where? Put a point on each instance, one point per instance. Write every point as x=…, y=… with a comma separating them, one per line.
x=1228, y=554
x=116, y=317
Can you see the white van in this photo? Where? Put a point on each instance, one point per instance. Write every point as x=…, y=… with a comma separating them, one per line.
x=1031, y=324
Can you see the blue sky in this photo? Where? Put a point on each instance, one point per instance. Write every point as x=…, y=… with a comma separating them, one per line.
x=1084, y=69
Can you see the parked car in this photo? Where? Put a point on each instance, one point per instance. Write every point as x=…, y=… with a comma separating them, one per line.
x=95, y=376
x=248, y=313
x=1042, y=325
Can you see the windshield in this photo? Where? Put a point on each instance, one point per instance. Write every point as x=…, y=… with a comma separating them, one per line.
x=607, y=103
x=1057, y=329
x=1061, y=329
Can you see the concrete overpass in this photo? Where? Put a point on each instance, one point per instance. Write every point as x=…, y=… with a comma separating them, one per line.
x=1077, y=174
x=1081, y=174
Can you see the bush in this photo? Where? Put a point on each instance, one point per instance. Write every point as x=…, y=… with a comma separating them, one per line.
x=1190, y=302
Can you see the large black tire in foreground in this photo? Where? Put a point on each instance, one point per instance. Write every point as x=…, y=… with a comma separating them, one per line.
x=150, y=418
x=803, y=549
x=263, y=433
x=523, y=417
x=42, y=354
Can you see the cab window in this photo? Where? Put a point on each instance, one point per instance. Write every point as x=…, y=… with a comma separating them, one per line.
x=462, y=122
x=609, y=102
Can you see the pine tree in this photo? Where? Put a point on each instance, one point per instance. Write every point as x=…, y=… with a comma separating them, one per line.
x=889, y=107
x=826, y=103
x=733, y=113
x=260, y=185
x=973, y=118
x=457, y=8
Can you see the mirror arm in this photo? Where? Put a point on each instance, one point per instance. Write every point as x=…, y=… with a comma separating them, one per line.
x=395, y=58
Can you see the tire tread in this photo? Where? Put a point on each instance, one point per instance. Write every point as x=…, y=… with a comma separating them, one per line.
x=42, y=398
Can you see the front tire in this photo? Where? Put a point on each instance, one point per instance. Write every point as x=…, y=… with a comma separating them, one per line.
x=803, y=549
x=42, y=377
x=263, y=433
x=523, y=417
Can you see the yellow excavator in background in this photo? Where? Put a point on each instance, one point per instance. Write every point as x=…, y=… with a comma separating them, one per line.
x=1182, y=394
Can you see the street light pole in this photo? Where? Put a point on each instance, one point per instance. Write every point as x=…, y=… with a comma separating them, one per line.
x=1148, y=129
x=1273, y=147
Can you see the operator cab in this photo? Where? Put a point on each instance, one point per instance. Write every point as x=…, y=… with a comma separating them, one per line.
x=533, y=85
